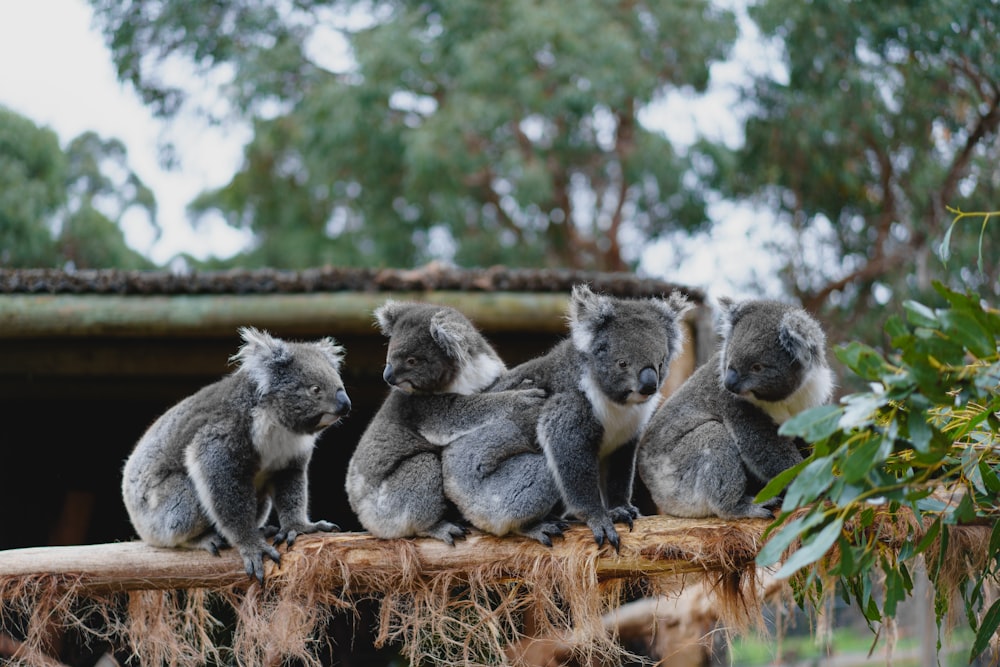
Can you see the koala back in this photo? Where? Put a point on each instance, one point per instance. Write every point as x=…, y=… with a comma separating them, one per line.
x=773, y=355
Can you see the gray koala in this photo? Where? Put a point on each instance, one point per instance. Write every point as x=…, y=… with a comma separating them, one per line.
x=714, y=443
x=206, y=472
x=602, y=385
x=437, y=364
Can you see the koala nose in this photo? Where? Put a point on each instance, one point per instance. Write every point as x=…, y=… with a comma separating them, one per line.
x=343, y=402
x=387, y=374
x=732, y=381
x=648, y=381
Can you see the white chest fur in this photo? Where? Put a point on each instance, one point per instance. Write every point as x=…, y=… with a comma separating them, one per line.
x=277, y=445
x=815, y=390
x=621, y=422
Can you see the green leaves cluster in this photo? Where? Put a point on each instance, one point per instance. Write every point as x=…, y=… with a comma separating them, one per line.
x=922, y=444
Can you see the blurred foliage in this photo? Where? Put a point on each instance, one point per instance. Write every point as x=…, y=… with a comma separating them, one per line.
x=923, y=442
x=488, y=132
x=885, y=113
x=64, y=208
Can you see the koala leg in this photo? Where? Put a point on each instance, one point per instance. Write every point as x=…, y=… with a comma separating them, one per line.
x=291, y=497
x=410, y=501
x=618, y=471
x=570, y=436
x=168, y=513
x=702, y=475
x=500, y=482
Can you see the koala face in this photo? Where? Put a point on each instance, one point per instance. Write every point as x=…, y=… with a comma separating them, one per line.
x=298, y=383
x=769, y=349
x=434, y=349
x=628, y=343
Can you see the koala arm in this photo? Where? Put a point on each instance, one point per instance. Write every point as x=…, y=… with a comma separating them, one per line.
x=223, y=472
x=291, y=497
x=446, y=417
x=570, y=436
x=619, y=475
x=764, y=452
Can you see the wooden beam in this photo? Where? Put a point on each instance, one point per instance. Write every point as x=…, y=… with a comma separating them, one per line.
x=657, y=546
x=79, y=315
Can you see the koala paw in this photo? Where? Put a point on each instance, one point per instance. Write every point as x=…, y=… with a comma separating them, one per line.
x=213, y=543
x=253, y=558
x=287, y=534
x=604, y=529
x=627, y=514
x=446, y=531
x=545, y=531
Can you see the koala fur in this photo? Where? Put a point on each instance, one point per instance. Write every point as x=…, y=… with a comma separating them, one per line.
x=206, y=473
x=602, y=384
x=437, y=364
x=714, y=443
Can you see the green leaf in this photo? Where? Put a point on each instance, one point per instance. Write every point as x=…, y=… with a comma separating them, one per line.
x=929, y=536
x=991, y=621
x=814, y=424
x=919, y=430
x=772, y=551
x=809, y=483
x=813, y=548
x=864, y=458
x=919, y=315
x=967, y=331
x=779, y=482
x=863, y=360
x=860, y=409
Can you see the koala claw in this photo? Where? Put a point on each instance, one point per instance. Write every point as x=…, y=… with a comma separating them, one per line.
x=625, y=514
x=287, y=534
x=253, y=559
x=545, y=531
x=446, y=531
x=603, y=529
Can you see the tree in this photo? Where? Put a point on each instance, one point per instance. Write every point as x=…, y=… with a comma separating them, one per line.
x=494, y=132
x=55, y=205
x=32, y=176
x=889, y=115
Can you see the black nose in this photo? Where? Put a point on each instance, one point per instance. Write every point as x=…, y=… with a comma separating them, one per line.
x=387, y=374
x=343, y=402
x=732, y=381
x=648, y=381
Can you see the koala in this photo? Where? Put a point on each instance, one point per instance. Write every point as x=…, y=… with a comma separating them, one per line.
x=437, y=365
x=206, y=473
x=602, y=385
x=498, y=478
x=714, y=443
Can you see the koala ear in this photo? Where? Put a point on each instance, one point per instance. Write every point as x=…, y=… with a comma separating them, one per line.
x=258, y=355
x=728, y=312
x=587, y=313
x=801, y=336
x=332, y=351
x=451, y=332
x=673, y=309
x=386, y=316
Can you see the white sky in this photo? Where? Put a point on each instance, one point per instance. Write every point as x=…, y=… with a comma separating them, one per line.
x=64, y=79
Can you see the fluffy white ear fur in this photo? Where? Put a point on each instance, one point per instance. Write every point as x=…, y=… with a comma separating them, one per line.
x=673, y=308
x=801, y=337
x=587, y=311
x=259, y=350
x=386, y=316
x=451, y=335
x=333, y=351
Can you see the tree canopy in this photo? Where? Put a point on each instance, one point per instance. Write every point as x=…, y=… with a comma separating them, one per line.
x=888, y=115
x=60, y=207
x=490, y=132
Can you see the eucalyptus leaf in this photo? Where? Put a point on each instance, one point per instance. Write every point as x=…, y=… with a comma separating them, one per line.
x=989, y=625
x=813, y=548
x=814, y=424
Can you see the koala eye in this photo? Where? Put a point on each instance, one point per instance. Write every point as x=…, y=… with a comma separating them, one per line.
x=622, y=364
x=411, y=361
x=315, y=390
x=757, y=368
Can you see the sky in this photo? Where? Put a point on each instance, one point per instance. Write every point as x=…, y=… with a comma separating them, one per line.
x=64, y=79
